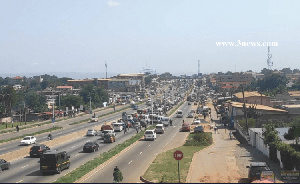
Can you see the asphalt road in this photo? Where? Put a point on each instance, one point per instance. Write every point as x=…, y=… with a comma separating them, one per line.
x=135, y=161
x=67, y=129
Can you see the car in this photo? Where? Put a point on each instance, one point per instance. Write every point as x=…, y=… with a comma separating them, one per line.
x=195, y=103
x=27, y=140
x=4, y=165
x=196, y=121
x=190, y=115
x=150, y=135
x=185, y=127
x=90, y=146
x=91, y=132
x=159, y=128
x=38, y=150
x=109, y=137
x=54, y=162
x=189, y=103
x=198, y=129
x=165, y=121
x=255, y=170
x=106, y=132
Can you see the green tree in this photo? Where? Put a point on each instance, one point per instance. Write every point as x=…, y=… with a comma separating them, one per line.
x=70, y=100
x=272, y=82
x=35, y=102
x=44, y=84
x=98, y=95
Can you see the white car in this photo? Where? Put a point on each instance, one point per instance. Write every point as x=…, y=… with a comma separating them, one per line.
x=91, y=132
x=150, y=135
x=28, y=140
x=196, y=121
x=108, y=131
x=94, y=119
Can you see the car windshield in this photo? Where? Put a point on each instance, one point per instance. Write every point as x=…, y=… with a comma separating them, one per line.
x=90, y=130
x=35, y=147
x=26, y=138
x=148, y=132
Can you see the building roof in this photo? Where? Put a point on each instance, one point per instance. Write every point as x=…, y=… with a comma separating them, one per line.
x=294, y=93
x=18, y=77
x=81, y=80
x=132, y=75
x=258, y=107
x=64, y=87
x=248, y=94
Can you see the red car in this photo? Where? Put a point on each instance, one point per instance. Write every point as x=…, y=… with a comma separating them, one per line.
x=185, y=127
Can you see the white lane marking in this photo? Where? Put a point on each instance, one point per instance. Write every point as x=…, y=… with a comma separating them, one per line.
x=130, y=162
x=76, y=155
x=73, y=146
x=141, y=152
x=2, y=148
x=73, y=129
x=149, y=144
x=19, y=181
x=24, y=166
x=60, y=133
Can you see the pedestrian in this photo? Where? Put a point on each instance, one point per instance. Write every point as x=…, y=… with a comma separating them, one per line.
x=204, y=115
x=17, y=127
x=137, y=129
x=230, y=134
x=211, y=119
x=171, y=123
x=125, y=130
x=182, y=121
x=216, y=129
x=117, y=174
x=140, y=127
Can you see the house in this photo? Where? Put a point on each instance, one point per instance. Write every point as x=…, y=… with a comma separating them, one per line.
x=234, y=80
x=81, y=82
x=253, y=97
x=16, y=80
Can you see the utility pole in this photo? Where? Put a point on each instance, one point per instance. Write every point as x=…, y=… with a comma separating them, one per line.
x=245, y=110
x=59, y=102
x=90, y=104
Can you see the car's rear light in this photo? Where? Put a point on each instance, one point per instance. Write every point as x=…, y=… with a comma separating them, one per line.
x=40, y=150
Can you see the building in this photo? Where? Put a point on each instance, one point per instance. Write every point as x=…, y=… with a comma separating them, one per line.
x=253, y=97
x=81, y=82
x=135, y=78
x=16, y=80
x=234, y=80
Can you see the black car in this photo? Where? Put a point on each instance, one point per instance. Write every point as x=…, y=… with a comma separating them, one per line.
x=91, y=147
x=38, y=150
x=198, y=129
x=4, y=165
x=255, y=170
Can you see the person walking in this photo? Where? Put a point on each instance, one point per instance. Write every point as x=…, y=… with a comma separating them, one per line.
x=216, y=129
x=117, y=174
x=171, y=122
x=17, y=127
x=124, y=127
x=137, y=128
x=230, y=135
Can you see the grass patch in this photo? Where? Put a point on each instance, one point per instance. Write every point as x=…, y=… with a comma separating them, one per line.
x=92, y=164
x=165, y=168
x=35, y=133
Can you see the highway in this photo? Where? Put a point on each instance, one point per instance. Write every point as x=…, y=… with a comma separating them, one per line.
x=67, y=129
x=136, y=160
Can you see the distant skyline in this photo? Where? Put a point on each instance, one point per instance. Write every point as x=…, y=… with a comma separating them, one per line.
x=77, y=36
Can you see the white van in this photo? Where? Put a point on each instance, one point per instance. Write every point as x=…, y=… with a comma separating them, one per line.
x=118, y=126
x=179, y=114
x=145, y=117
x=159, y=128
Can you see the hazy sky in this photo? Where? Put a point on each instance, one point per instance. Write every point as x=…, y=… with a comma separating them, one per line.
x=167, y=35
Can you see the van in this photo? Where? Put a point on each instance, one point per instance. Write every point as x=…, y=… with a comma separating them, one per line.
x=54, y=162
x=118, y=127
x=179, y=114
x=165, y=121
x=159, y=128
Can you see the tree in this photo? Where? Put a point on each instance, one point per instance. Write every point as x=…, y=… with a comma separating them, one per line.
x=272, y=82
x=266, y=71
x=35, y=102
x=270, y=134
x=70, y=100
x=98, y=95
x=286, y=71
x=44, y=84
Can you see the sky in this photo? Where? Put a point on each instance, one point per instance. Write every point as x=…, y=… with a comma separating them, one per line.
x=44, y=36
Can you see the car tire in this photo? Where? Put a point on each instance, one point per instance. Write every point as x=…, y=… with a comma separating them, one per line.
x=68, y=166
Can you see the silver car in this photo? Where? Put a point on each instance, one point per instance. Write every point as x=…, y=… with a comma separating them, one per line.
x=91, y=132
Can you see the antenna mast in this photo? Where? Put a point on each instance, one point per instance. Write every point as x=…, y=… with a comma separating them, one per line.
x=269, y=62
x=198, y=67
x=106, y=68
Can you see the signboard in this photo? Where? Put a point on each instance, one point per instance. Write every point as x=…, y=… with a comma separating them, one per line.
x=81, y=107
x=267, y=175
x=290, y=175
x=178, y=155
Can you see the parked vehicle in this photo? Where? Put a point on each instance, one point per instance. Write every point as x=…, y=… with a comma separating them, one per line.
x=199, y=129
x=190, y=115
x=255, y=169
x=179, y=114
x=118, y=127
x=109, y=137
x=90, y=147
x=124, y=116
x=38, y=150
x=185, y=127
x=54, y=162
x=159, y=128
x=4, y=165
x=150, y=135
x=27, y=140
x=91, y=132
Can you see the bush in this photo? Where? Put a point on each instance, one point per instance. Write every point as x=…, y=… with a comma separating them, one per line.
x=199, y=139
